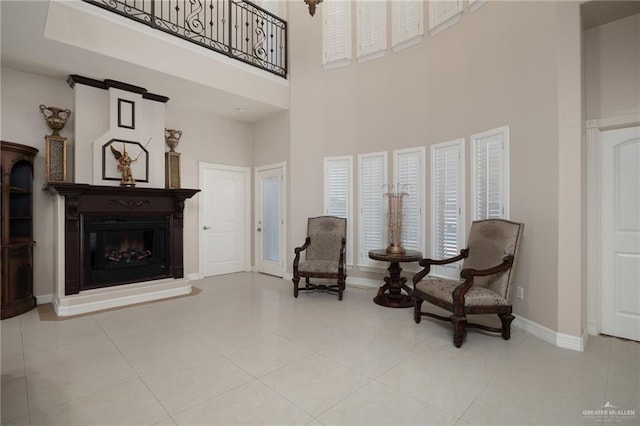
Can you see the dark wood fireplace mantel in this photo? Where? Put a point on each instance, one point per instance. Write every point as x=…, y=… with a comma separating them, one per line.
x=84, y=199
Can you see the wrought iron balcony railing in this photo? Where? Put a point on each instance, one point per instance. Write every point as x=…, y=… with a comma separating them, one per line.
x=238, y=29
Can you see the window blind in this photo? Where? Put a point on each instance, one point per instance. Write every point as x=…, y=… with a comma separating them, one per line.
x=372, y=175
x=490, y=174
x=371, y=28
x=407, y=22
x=447, y=195
x=336, y=31
x=409, y=174
x=338, y=193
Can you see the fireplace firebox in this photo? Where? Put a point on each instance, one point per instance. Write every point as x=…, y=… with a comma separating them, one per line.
x=125, y=249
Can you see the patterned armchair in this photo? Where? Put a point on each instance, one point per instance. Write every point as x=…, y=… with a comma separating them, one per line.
x=485, y=280
x=325, y=249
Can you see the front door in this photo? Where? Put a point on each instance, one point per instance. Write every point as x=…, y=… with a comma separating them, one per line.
x=270, y=219
x=224, y=219
x=620, y=288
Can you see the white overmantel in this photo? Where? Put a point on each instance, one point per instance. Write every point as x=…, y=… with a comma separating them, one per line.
x=111, y=110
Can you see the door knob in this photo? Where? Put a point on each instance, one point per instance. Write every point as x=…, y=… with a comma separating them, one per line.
x=206, y=227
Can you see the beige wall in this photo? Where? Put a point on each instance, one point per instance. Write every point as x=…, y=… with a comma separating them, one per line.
x=498, y=66
x=612, y=68
x=23, y=123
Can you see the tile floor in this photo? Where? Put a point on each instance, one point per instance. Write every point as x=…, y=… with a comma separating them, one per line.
x=244, y=351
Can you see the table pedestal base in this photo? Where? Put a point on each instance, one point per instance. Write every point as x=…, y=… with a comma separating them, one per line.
x=390, y=294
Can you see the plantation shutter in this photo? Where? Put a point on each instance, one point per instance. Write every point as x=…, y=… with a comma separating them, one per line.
x=336, y=190
x=336, y=31
x=337, y=194
x=490, y=175
x=407, y=20
x=372, y=25
x=447, y=199
x=408, y=171
x=371, y=180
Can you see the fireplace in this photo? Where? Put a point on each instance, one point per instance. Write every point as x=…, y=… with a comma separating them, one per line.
x=125, y=249
x=116, y=235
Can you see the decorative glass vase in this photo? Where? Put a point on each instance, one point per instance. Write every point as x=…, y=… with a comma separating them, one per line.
x=395, y=196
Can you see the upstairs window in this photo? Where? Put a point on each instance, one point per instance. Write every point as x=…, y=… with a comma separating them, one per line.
x=490, y=174
x=407, y=23
x=371, y=29
x=336, y=33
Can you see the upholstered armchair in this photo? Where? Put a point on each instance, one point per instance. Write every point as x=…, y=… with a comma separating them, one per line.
x=324, y=248
x=485, y=282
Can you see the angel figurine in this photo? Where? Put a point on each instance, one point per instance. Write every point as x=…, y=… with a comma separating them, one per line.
x=124, y=165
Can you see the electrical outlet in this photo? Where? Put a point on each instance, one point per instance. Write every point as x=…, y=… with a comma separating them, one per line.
x=519, y=292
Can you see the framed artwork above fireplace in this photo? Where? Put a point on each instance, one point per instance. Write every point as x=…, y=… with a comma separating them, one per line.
x=138, y=154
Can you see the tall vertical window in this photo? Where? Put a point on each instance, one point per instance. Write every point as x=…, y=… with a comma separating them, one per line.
x=447, y=204
x=407, y=27
x=338, y=194
x=372, y=176
x=490, y=174
x=336, y=33
x=371, y=29
x=408, y=171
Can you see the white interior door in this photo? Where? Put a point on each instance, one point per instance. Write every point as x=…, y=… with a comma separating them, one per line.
x=620, y=280
x=224, y=219
x=270, y=223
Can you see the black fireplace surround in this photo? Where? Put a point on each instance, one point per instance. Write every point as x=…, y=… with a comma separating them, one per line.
x=118, y=235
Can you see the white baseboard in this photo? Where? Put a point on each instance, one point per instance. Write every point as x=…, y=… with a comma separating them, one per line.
x=195, y=276
x=44, y=299
x=561, y=340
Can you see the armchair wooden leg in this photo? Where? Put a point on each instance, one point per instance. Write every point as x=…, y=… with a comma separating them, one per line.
x=417, y=305
x=341, y=284
x=459, y=329
x=295, y=280
x=506, y=325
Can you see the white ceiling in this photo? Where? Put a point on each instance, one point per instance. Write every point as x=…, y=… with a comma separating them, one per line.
x=24, y=48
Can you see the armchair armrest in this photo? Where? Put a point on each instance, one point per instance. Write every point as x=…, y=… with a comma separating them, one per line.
x=469, y=273
x=426, y=264
x=507, y=262
x=298, y=250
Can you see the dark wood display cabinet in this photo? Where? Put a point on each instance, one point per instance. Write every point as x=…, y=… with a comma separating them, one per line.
x=16, y=166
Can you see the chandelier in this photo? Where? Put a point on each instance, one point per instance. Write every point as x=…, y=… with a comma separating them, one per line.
x=312, y=6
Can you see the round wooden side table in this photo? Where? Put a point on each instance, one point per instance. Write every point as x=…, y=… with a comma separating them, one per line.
x=390, y=294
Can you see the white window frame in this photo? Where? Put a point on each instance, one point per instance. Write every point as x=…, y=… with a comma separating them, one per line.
x=500, y=133
x=342, y=54
x=348, y=160
x=403, y=39
x=456, y=146
x=419, y=152
x=371, y=24
x=364, y=262
x=476, y=4
x=443, y=14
